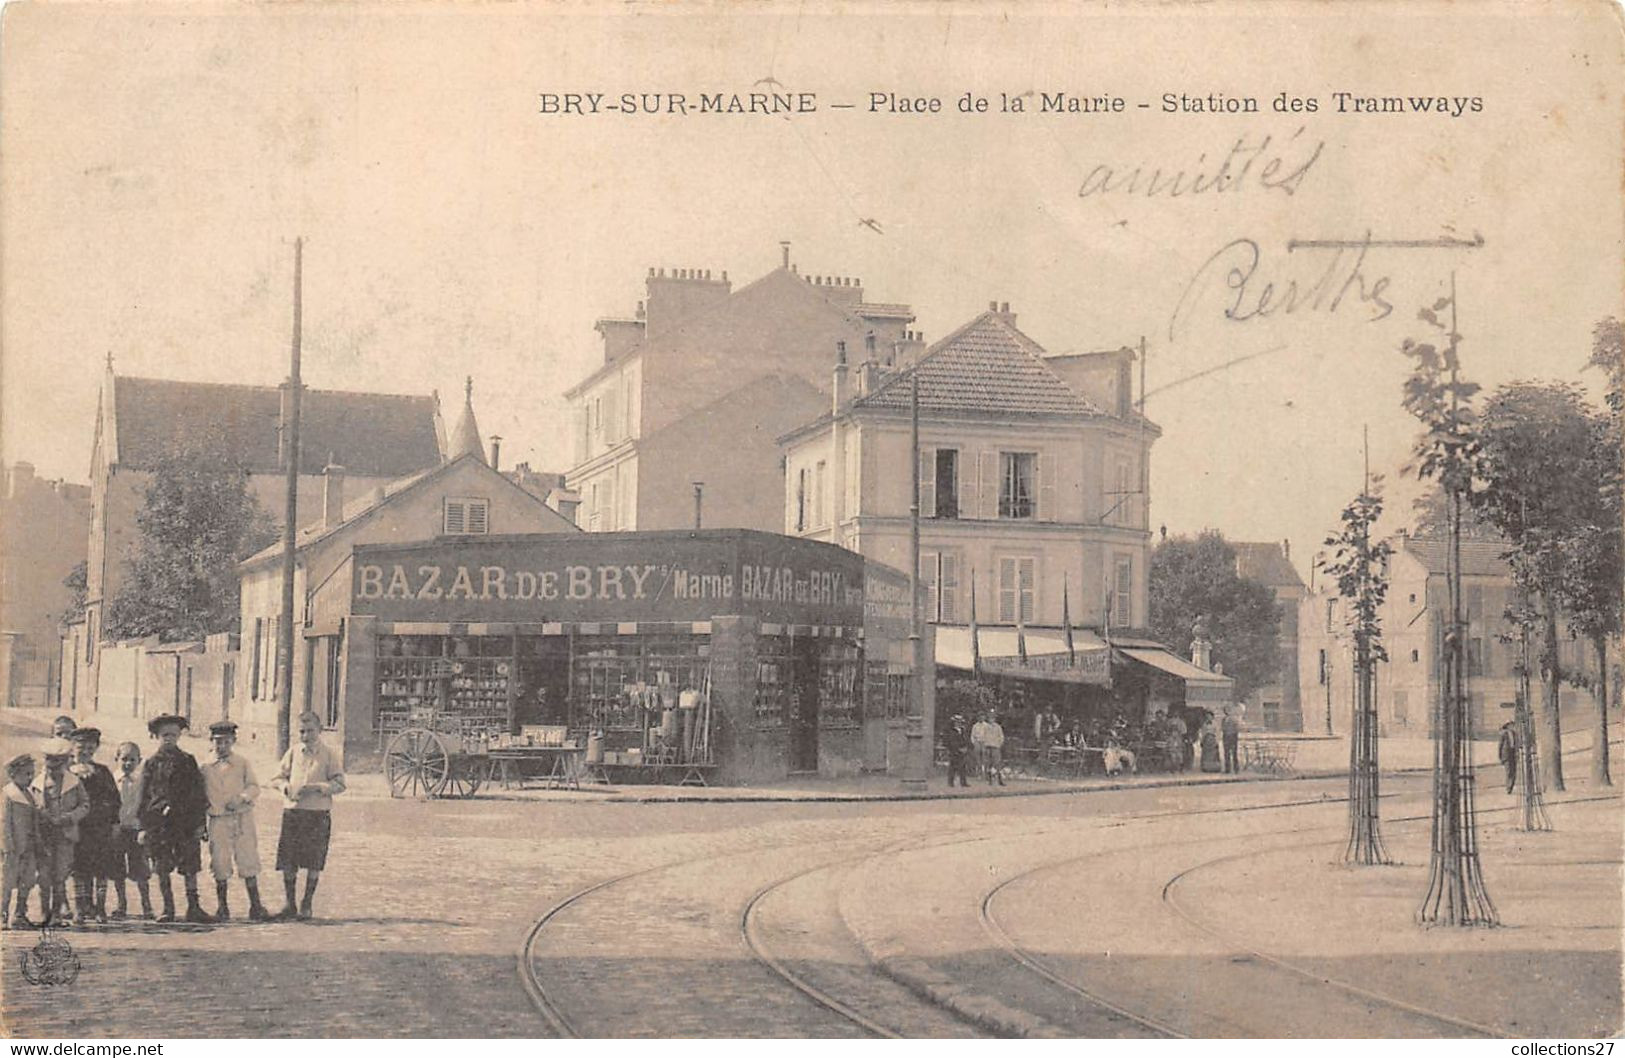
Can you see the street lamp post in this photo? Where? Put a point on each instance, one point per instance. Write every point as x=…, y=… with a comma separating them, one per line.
x=914, y=765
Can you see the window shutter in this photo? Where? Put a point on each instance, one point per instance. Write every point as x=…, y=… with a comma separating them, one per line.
x=988, y=483
x=456, y=517
x=612, y=416
x=478, y=517
x=583, y=444
x=1046, y=486
x=608, y=519
x=949, y=588
x=928, y=482
x=255, y=659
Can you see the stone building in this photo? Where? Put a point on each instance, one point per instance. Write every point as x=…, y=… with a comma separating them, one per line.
x=696, y=385
x=43, y=527
x=1277, y=706
x=378, y=438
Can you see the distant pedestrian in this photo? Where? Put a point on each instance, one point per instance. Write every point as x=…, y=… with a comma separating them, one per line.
x=19, y=843
x=63, y=803
x=1230, y=727
x=233, y=843
x=93, y=855
x=957, y=742
x=173, y=813
x=1210, y=746
x=309, y=776
x=1507, y=752
x=129, y=855
x=993, y=749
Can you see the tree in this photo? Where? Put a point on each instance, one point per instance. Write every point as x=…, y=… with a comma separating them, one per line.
x=1197, y=576
x=1359, y=566
x=199, y=520
x=1431, y=514
x=1539, y=474
x=78, y=584
x=1448, y=452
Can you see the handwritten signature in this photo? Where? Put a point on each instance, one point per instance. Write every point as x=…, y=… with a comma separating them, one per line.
x=1237, y=278
x=1234, y=172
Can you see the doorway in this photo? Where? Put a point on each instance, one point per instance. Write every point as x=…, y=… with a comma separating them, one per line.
x=805, y=699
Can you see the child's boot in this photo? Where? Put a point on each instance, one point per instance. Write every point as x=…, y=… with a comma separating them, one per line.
x=98, y=902
x=290, y=889
x=123, y=909
x=256, y=910
x=166, y=891
x=194, y=910
x=81, y=899
x=146, y=899
x=222, y=911
x=310, y=895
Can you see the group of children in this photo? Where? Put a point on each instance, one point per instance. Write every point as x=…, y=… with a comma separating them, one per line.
x=74, y=820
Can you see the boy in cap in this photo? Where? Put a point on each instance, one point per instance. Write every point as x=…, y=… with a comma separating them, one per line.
x=62, y=726
x=19, y=842
x=309, y=776
x=173, y=814
x=129, y=856
x=93, y=856
x=63, y=803
x=232, y=788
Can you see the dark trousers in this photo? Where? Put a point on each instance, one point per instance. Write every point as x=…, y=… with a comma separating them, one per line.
x=956, y=767
x=1512, y=772
x=1230, y=744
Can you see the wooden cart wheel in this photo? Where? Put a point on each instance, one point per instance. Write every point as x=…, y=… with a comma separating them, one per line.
x=417, y=763
x=466, y=776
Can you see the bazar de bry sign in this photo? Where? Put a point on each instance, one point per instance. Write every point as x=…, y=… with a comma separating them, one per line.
x=622, y=577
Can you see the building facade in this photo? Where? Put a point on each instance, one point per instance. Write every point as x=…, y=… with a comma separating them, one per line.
x=141, y=422
x=1414, y=617
x=1029, y=486
x=697, y=385
x=43, y=533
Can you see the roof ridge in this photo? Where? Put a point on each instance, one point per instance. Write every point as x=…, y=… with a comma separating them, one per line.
x=267, y=388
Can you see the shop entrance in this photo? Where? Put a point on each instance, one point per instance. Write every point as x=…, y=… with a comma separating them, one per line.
x=805, y=700
x=543, y=691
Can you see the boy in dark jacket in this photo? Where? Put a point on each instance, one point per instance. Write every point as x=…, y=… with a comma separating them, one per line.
x=92, y=857
x=173, y=816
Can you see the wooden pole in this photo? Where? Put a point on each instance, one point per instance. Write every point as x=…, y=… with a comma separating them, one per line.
x=914, y=768
x=290, y=520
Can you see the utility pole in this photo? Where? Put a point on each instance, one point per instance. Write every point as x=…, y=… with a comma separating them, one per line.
x=914, y=769
x=290, y=519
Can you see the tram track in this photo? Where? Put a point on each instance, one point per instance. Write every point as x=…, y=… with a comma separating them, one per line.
x=819, y=993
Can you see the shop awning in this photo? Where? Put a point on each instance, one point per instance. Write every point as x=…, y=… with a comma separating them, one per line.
x=1047, y=656
x=1200, y=685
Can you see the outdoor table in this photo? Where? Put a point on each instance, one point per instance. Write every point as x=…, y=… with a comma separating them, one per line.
x=555, y=766
x=648, y=772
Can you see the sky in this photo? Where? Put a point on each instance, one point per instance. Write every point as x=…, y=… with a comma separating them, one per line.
x=160, y=160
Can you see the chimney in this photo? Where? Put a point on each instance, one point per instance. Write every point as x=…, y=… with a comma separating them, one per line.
x=22, y=476
x=784, y=248
x=496, y=451
x=1286, y=550
x=840, y=378
x=332, y=494
x=677, y=293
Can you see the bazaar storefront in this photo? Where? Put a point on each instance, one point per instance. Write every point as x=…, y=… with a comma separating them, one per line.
x=765, y=654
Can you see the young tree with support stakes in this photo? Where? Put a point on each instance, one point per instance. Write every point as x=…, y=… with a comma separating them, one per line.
x=1360, y=567
x=1528, y=775
x=1447, y=452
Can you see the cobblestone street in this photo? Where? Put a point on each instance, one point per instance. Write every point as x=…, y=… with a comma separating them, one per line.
x=917, y=918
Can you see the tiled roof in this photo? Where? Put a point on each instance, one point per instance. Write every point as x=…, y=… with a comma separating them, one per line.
x=1266, y=564
x=986, y=366
x=1479, y=558
x=369, y=434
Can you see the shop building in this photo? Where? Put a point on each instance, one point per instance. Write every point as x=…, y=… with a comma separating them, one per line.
x=800, y=648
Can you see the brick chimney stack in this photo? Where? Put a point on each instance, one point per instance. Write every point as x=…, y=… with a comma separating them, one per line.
x=332, y=494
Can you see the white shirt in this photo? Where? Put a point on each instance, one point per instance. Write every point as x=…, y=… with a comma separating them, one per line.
x=228, y=780
x=301, y=767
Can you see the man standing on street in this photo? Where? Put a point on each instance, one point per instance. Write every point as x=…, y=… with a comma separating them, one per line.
x=957, y=741
x=1230, y=729
x=1507, y=752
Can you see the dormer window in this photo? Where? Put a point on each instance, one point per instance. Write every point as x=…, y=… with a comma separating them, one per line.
x=465, y=516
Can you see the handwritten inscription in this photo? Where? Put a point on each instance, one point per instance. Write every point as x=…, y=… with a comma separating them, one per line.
x=1237, y=278
x=1260, y=164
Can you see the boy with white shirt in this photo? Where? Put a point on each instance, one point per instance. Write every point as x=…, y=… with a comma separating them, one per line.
x=310, y=774
x=229, y=781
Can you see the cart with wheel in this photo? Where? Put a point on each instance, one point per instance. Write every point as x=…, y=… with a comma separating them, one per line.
x=439, y=754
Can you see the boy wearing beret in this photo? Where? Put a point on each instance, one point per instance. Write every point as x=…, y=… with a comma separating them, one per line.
x=173, y=815
x=63, y=803
x=19, y=842
x=92, y=857
x=232, y=789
